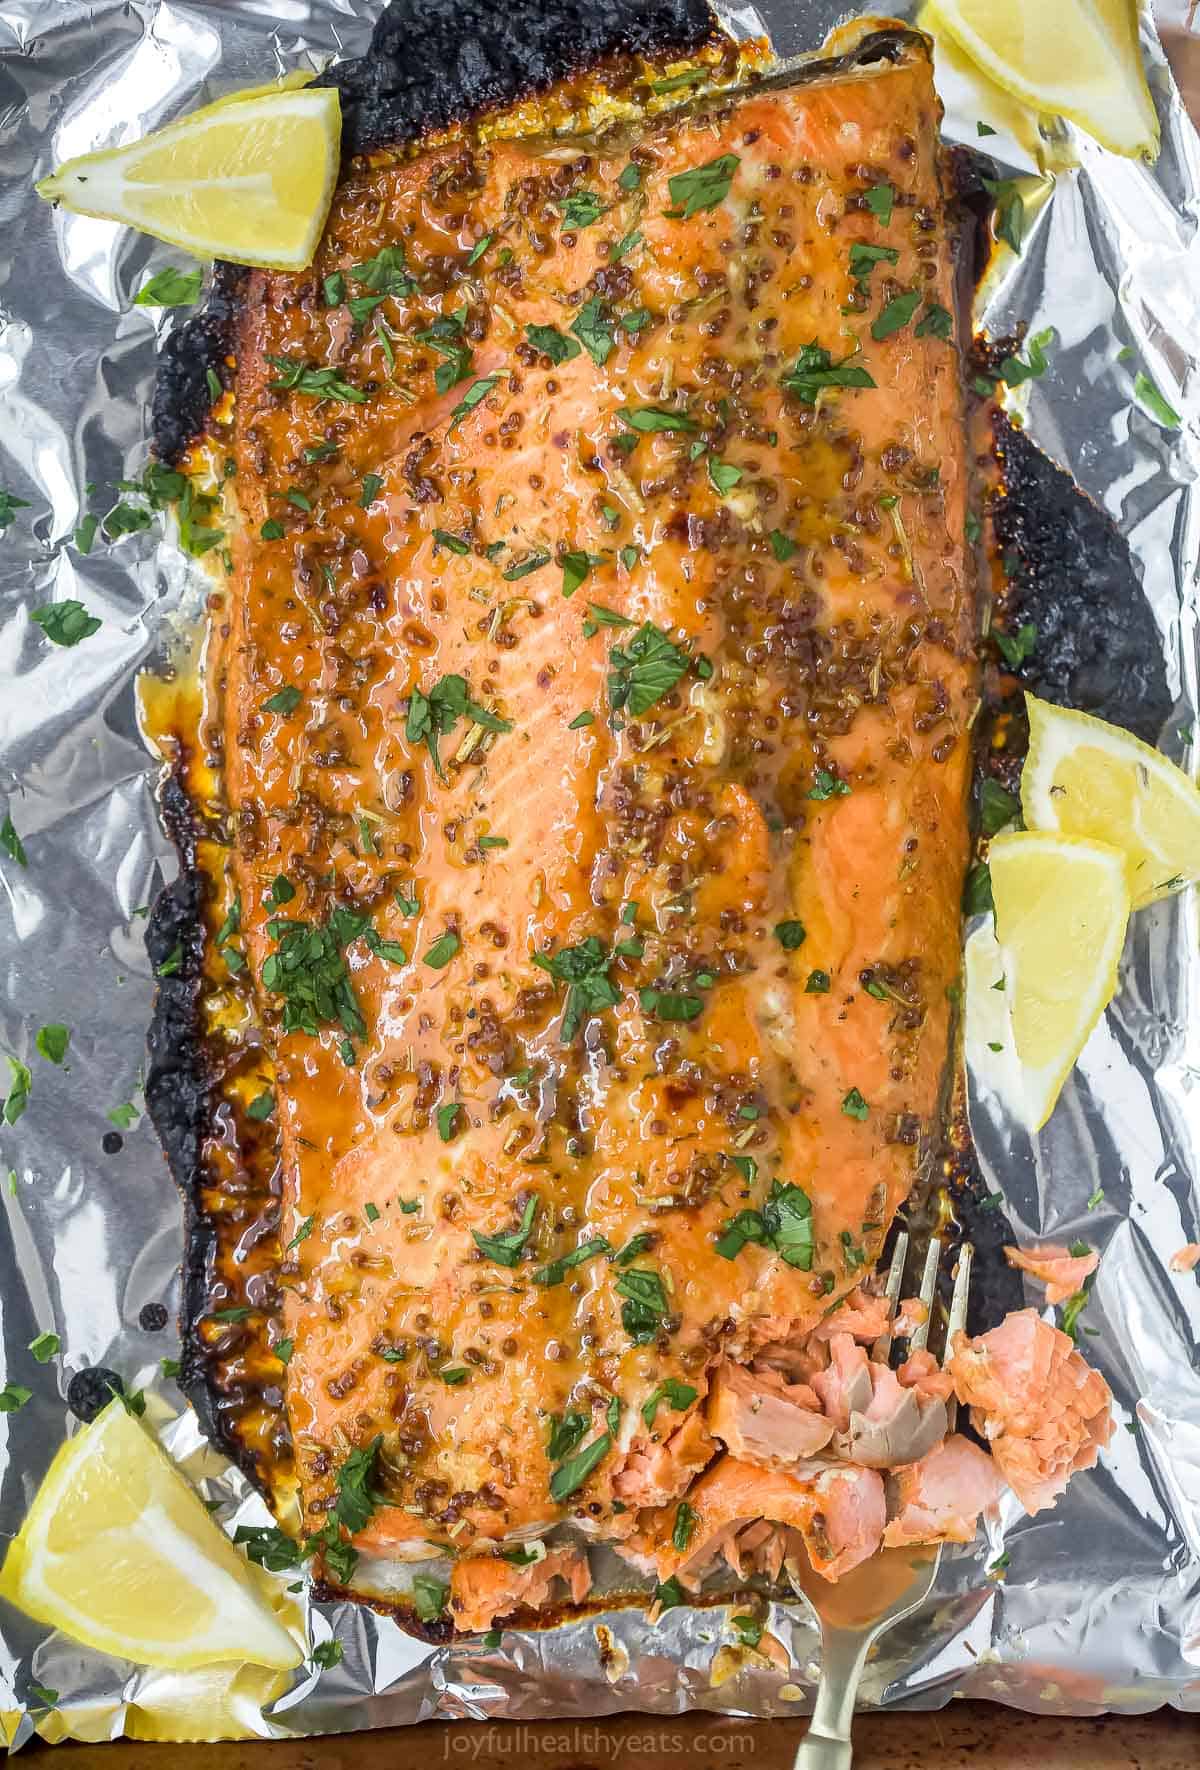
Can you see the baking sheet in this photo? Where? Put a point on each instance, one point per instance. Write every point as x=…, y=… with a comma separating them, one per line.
x=1100, y=1604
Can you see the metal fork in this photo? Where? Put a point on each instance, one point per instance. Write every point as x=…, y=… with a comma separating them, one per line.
x=854, y=1612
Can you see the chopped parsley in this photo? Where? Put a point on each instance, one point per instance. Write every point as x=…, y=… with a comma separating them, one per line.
x=447, y=1120
x=670, y=1004
x=1151, y=400
x=880, y=200
x=575, y=568
x=630, y=178
x=645, y=1303
x=285, y=700
x=370, y=490
x=308, y=970
x=477, y=391
x=170, y=288
x=643, y=670
x=581, y=208
x=1013, y=371
x=977, y=893
x=722, y=476
x=321, y=384
x=895, y=315
x=651, y=418
x=1009, y=218
x=854, y=1106
x=935, y=322
x=584, y=969
x=826, y=785
x=66, y=623
x=327, y=1654
x=570, y=1475
x=533, y=562
x=1016, y=647
x=556, y=1271
x=784, y=1224
x=864, y=258
x=790, y=935
x=818, y=983
x=52, y=1042
x=997, y=807
x=748, y=1630
x=581, y=720
x=429, y=1596
x=268, y=1546
x=443, y=950
x=17, y=1098
x=431, y=716
x=815, y=369
x=685, y=1524
x=782, y=546
x=45, y=1347
x=553, y=343
x=479, y=248
x=453, y=543
x=11, y=843
x=13, y=1397
x=506, y=1249
x=678, y=1396
x=701, y=188
x=593, y=331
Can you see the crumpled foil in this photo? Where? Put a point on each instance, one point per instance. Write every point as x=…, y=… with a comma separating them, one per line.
x=1099, y=1605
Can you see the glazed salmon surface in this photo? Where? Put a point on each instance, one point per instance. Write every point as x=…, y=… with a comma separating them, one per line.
x=597, y=679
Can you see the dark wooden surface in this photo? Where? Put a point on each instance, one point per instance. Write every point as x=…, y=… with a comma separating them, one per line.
x=965, y=1736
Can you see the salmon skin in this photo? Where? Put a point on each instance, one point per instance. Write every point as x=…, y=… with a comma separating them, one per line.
x=597, y=678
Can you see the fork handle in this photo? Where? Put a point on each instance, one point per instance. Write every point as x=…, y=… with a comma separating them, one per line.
x=826, y=1745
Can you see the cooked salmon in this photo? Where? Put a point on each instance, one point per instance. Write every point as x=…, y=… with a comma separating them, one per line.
x=484, y=1588
x=597, y=675
x=1043, y=1412
x=1061, y=1271
x=940, y=1498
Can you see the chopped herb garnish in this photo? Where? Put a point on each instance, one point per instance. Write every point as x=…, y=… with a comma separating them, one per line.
x=818, y=983
x=321, y=384
x=447, y=1120
x=625, y=245
x=977, y=894
x=431, y=716
x=262, y=1106
x=997, y=806
x=678, y=1396
x=443, y=950
x=11, y=843
x=880, y=200
x=972, y=527
x=45, y=1347
x=670, y=1595
x=584, y=969
x=1013, y=371
x=170, y=288
x=506, y=1249
x=272, y=529
x=429, y=1596
x=385, y=274
x=9, y=505
x=477, y=391
x=453, y=543
x=124, y=1117
x=533, y=562
x=685, y=1524
x=643, y=670
x=553, y=343
x=790, y=935
x=722, y=476
x=784, y=1224
x=565, y=1433
x=575, y=568
x=863, y=260
x=1152, y=401
x=556, y=1271
x=701, y=188
x=650, y=418
x=308, y=969
x=570, y=1476
x=66, y=623
x=815, y=369
x=581, y=720
x=1016, y=647
x=285, y=700
x=854, y=1106
x=370, y=490
x=748, y=1630
x=52, y=1042
x=637, y=1244
x=1009, y=218
x=935, y=322
x=782, y=546
x=593, y=331
x=13, y=1396
x=630, y=178
x=895, y=315
x=581, y=208
x=268, y=1546
x=645, y=1303
x=826, y=785
x=479, y=248
x=670, y=1004
x=1073, y=1308
x=85, y=534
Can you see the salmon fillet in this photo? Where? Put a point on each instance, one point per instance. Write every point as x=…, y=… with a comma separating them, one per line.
x=597, y=678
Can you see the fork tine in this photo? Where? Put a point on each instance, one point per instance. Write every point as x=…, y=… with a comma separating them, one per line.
x=920, y=1334
x=895, y=1279
x=957, y=1319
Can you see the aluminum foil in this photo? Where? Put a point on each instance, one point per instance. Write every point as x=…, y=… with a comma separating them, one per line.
x=1099, y=1607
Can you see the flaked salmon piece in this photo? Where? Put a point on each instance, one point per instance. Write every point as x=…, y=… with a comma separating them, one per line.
x=1044, y=1413
x=840, y=1515
x=655, y=1473
x=940, y=1498
x=898, y=1425
x=484, y=1588
x=922, y=1372
x=1062, y=1272
x=863, y=1316
x=845, y=1385
x=761, y=1419
x=1186, y=1258
x=910, y=1315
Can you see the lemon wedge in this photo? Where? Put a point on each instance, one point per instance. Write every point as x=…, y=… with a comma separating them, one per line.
x=1069, y=58
x=1086, y=778
x=248, y=178
x=1062, y=907
x=118, y=1552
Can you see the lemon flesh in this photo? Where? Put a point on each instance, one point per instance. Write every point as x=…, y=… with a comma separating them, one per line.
x=249, y=179
x=119, y=1552
x=1083, y=777
x=1069, y=58
x=1062, y=907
